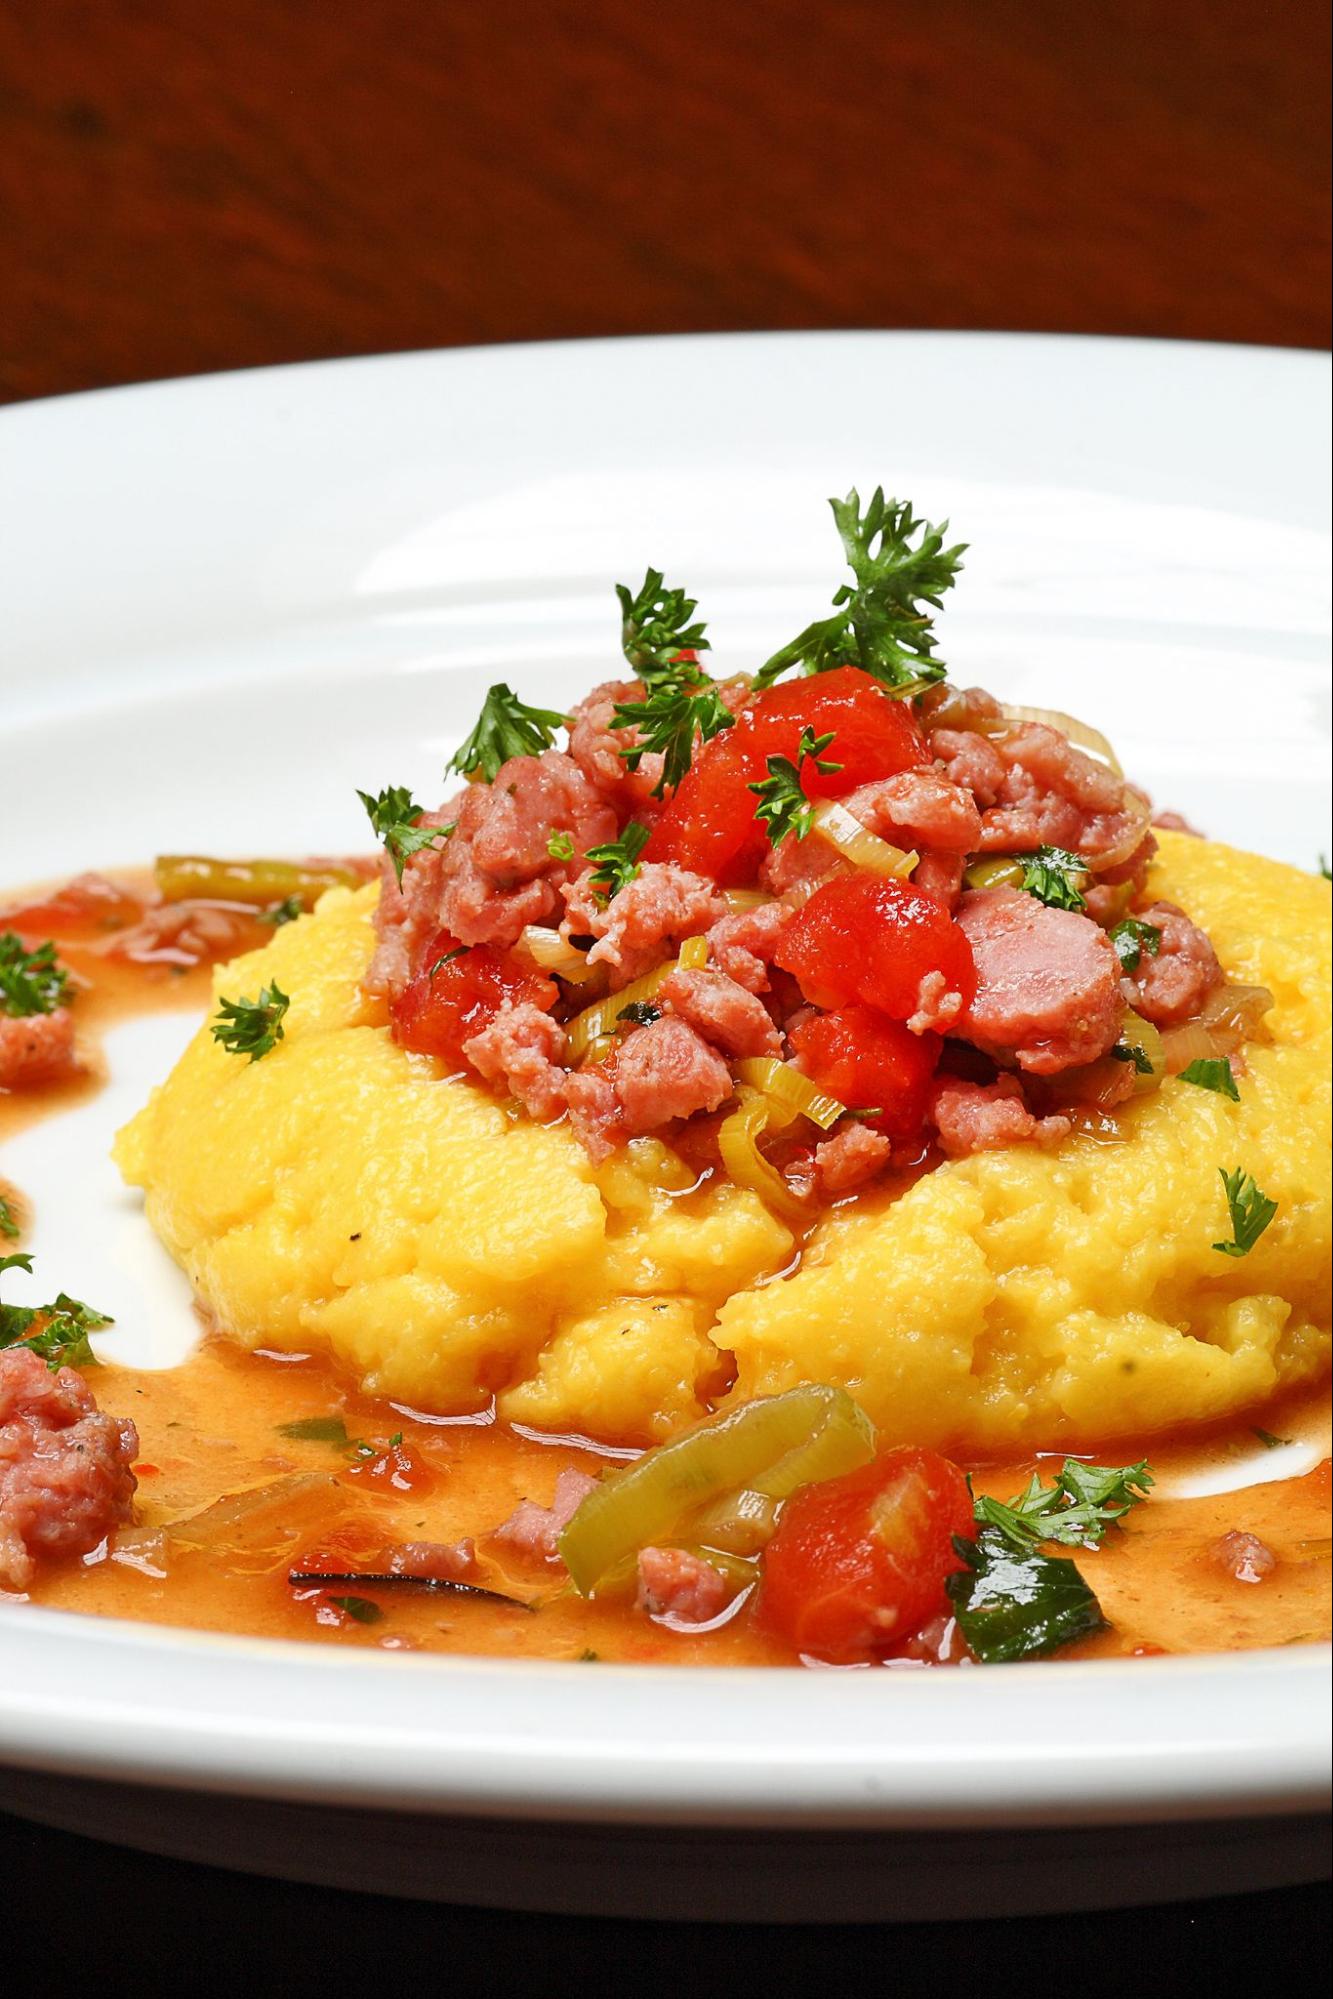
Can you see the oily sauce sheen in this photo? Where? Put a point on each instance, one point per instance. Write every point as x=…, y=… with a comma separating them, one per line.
x=215, y=1426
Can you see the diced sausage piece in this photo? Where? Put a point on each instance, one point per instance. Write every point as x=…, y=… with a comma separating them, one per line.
x=797, y=863
x=1176, y=822
x=597, y=747
x=733, y=1019
x=984, y=1117
x=594, y=1112
x=850, y=1158
x=495, y=873
x=1048, y=982
x=635, y=930
x=970, y=761
x=36, y=1048
x=922, y=808
x=1053, y=795
x=65, y=1469
x=440, y=1561
x=1243, y=1556
x=675, y=1583
x=743, y=942
x=665, y=1071
x=536, y=1530
x=1174, y=984
x=523, y=1048
x=945, y=706
x=941, y=875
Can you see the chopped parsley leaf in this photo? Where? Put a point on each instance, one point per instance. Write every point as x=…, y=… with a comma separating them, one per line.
x=884, y=621
x=1050, y=873
x=1324, y=869
x=447, y=958
x=62, y=1328
x=1212, y=1073
x=252, y=1027
x=667, y=723
x=359, y=1607
x=1130, y=1051
x=8, y=1226
x=1250, y=1211
x=1131, y=938
x=782, y=801
x=1076, y=1511
x=616, y=864
x=1267, y=1439
x=656, y=630
x=317, y=1430
x=282, y=912
x=506, y=728
x=30, y=981
x=560, y=844
x=640, y=1013
x=394, y=814
x=1018, y=1604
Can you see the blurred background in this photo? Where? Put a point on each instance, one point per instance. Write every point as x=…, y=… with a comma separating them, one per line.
x=199, y=184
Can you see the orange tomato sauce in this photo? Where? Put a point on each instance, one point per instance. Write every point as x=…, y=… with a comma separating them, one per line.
x=219, y=1425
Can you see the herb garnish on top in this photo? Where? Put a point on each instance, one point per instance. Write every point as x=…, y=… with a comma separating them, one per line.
x=30, y=981
x=506, y=727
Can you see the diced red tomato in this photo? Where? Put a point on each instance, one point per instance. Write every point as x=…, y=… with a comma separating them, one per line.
x=709, y=826
x=83, y=907
x=868, y=938
x=459, y=991
x=858, y=1564
x=866, y=1060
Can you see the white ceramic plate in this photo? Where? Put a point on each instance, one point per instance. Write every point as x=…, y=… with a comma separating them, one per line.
x=227, y=602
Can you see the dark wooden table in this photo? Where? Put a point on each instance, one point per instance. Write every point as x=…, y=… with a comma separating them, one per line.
x=197, y=184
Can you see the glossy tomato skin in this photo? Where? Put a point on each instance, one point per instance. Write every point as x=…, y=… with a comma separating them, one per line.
x=867, y=1060
x=859, y=1563
x=868, y=939
x=457, y=993
x=709, y=825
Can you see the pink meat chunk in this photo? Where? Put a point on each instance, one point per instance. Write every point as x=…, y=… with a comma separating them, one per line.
x=597, y=748
x=594, y=1112
x=1174, y=984
x=850, y=1158
x=919, y=808
x=941, y=875
x=664, y=1071
x=443, y=1561
x=536, y=1530
x=1053, y=795
x=797, y=863
x=939, y=1006
x=1048, y=982
x=1176, y=822
x=65, y=1469
x=523, y=1049
x=36, y=1048
x=1243, y=1556
x=971, y=762
x=637, y=927
x=675, y=1583
x=986, y=1117
x=743, y=942
x=723, y=1012
x=495, y=873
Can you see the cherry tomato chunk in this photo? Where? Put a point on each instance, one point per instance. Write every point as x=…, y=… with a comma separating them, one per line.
x=459, y=991
x=869, y=1061
x=859, y=1563
x=709, y=825
x=861, y=937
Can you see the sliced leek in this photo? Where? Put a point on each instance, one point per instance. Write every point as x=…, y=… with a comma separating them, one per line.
x=652, y=1499
x=789, y=1088
x=183, y=876
x=1079, y=733
x=738, y=1143
x=856, y=843
x=552, y=953
x=598, y=1021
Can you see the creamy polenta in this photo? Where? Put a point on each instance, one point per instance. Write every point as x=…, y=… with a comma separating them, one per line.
x=340, y=1196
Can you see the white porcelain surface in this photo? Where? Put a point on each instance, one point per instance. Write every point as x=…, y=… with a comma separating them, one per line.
x=228, y=602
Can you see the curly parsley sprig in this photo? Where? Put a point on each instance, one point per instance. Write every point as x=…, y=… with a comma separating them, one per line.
x=656, y=628
x=783, y=804
x=394, y=813
x=30, y=981
x=1131, y=937
x=884, y=621
x=252, y=1027
x=1251, y=1211
x=667, y=722
x=1076, y=1511
x=506, y=727
x=62, y=1327
x=616, y=864
x=1055, y=877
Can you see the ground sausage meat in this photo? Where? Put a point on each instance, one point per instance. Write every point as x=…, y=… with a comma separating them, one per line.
x=1053, y=795
x=65, y=1469
x=1173, y=984
x=733, y=1019
x=36, y=1048
x=742, y=943
x=675, y=1583
x=634, y=930
x=666, y=1070
x=536, y=1530
x=523, y=1049
x=598, y=748
x=1244, y=1556
x=1048, y=982
x=850, y=1158
x=984, y=1117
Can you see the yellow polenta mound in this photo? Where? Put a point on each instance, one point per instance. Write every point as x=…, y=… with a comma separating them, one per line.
x=338, y=1195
